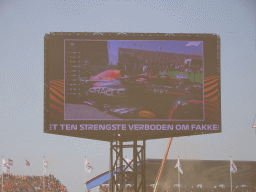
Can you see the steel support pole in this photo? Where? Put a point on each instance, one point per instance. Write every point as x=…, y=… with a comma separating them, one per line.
x=121, y=175
x=111, y=167
x=116, y=167
x=143, y=174
x=135, y=166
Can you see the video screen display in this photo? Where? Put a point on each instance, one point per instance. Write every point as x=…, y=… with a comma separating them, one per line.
x=145, y=86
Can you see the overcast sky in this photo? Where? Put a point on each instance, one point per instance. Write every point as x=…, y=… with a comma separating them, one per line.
x=23, y=26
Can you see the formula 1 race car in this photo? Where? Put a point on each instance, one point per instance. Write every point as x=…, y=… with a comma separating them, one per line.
x=146, y=97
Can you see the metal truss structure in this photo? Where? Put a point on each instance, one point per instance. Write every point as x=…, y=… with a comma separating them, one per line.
x=123, y=172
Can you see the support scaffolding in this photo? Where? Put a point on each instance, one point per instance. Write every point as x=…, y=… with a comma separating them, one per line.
x=119, y=174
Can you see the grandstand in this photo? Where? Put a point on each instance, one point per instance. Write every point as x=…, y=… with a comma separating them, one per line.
x=136, y=56
x=133, y=61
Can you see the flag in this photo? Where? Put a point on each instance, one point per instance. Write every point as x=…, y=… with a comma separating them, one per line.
x=10, y=162
x=233, y=168
x=45, y=165
x=87, y=165
x=27, y=163
x=5, y=167
x=179, y=166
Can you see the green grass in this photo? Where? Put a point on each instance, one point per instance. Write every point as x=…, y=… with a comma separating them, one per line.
x=198, y=76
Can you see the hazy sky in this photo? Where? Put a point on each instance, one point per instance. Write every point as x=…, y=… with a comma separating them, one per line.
x=23, y=26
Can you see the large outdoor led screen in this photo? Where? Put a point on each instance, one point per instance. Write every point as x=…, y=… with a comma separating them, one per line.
x=132, y=86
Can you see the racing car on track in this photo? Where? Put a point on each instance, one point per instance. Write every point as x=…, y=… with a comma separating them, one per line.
x=145, y=97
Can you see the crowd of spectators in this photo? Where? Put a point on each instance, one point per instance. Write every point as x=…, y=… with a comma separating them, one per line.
x=136, y=60
x=136, y=69
x=17, y=183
